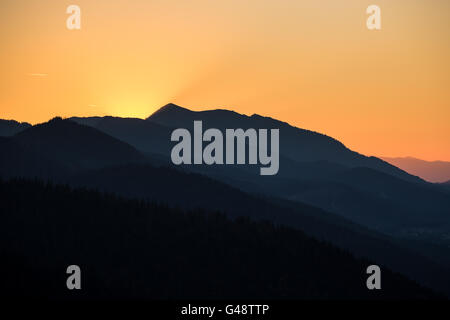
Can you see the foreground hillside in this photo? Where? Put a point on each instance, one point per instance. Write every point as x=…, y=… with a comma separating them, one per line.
x=136, y=249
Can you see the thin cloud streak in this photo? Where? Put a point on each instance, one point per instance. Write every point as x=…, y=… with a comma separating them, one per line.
x=41, y=75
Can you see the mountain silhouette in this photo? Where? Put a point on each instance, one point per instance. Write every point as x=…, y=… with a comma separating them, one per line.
x=11, y=127
x=432, y=171
x=147, y=137
x=383, y=214
x=446, y=185
x=296, y=144
x=376, y=199
x=18, y=161
x=76, y=146
x=314, y=169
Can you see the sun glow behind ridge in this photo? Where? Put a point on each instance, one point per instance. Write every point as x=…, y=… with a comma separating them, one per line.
x=313, y=64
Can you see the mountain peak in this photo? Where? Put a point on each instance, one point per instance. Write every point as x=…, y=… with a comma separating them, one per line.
x=170, y=107
x=56, y=120
x=77, y=146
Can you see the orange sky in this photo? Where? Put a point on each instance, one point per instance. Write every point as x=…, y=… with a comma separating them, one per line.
x=311, y=63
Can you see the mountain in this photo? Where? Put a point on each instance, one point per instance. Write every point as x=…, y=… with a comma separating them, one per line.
x=299, y=145
x=414, y=214
x=139, y=250
x=314, y=169
x=147, y=137
x=432, y=171
x=378, y=200
x=17, y=161
x=296, y=144
x=321, y=171
x=76, y=146
x=51, y=143
x=446, y=185
x=11, y=127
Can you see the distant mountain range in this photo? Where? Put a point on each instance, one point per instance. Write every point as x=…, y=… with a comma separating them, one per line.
x=314, y=168
x=362, y=204
x=432, y=171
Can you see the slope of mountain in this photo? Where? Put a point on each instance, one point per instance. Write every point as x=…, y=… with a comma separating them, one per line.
x=147, y=137
x=11, y=127
x=138, y=250
x=314, y=168
x=445, y=185
x=376, y=199
x=432, y=171
x=77, y=146
x=17, y=161
x=366, y=196
x=295, y=143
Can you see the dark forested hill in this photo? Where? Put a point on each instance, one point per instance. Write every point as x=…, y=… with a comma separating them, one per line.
x=136, y=249
x=146, y=136
x=191, y=191
x=19, y=161
x=11, y=127
x=75, y=145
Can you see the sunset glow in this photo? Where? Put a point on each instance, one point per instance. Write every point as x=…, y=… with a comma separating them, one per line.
x=311, y=63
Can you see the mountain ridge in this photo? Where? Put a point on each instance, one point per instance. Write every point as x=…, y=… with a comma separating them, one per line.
x=433, y=171
x=295, y=143
x=76, y=145
x=11, y=127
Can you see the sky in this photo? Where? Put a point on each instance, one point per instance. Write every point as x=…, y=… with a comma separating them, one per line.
x=311, y=63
